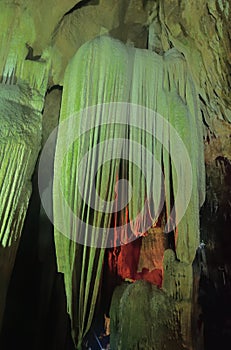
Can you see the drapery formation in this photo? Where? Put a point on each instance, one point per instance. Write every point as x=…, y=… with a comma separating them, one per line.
x=104, y=71
x=22, y=91
x=20, y=134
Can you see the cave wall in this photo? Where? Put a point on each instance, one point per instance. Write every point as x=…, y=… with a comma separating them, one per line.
x=38, y=41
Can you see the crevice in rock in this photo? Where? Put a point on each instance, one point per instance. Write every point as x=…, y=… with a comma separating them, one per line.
x=81, y=4
x=30, y=55
x=54, y=87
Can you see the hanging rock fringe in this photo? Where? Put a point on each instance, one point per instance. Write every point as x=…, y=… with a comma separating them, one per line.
x=20, y=136
x=103, y=71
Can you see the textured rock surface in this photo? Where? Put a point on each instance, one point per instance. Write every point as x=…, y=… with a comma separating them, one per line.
x=152, y=250
x=85, y=86
x=199, y=30
x=178, y=284
x=123, y=19
x=23, y=87
x=39, y=39
x=151, y=323
x=20, y=137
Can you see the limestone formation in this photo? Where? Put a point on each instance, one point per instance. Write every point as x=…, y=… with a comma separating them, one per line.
x=176, y=102
x=58, y=57
x=20, y=137
x=152, y=323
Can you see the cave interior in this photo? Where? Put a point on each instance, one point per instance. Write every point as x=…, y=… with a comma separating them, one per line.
x=126, y=246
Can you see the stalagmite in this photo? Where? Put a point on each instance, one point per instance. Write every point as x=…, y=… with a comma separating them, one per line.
x=152, y=323
x=106, y=71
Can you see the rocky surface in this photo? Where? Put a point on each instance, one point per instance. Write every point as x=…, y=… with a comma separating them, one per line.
x=38, y=42
x=20, y=138
x=151, y=323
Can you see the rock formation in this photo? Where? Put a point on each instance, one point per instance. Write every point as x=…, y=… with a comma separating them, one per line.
x=170, y=56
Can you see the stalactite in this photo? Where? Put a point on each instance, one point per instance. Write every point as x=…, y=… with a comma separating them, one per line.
x=104, y=71
x=16, y=66
x=20, y=135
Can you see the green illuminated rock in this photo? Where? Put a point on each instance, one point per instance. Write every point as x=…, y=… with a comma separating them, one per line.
x=105, y=70
x=20, y=134
x=151, y=323
x=185, y=79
